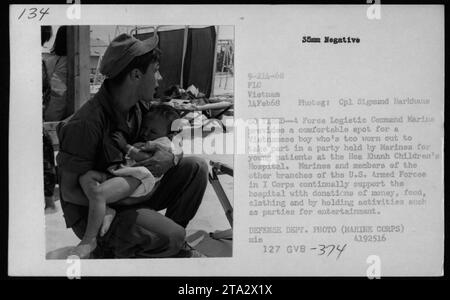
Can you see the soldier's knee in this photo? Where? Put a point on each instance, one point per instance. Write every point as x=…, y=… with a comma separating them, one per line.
x=177, y=237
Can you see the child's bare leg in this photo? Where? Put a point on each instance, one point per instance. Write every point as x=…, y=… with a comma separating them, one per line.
x=107, y=220
x=100, y=191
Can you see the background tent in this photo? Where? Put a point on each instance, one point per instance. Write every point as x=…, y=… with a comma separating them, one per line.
x=187, y=58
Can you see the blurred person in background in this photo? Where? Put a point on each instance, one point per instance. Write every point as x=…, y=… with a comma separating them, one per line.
x=49, y=157
x=56, y=65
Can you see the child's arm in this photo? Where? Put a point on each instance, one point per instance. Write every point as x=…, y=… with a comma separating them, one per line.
x=130, y=151
x=174, y=144
x=136, y=154
x=170, y=144
x=120, y=140
x=177, y=147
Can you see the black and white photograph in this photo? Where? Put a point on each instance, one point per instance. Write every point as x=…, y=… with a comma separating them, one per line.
x=124, y=108
x=256, y=141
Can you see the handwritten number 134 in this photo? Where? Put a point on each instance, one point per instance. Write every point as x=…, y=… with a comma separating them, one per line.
x=33, y=13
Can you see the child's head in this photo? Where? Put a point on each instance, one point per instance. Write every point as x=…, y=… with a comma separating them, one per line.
x=157, y=122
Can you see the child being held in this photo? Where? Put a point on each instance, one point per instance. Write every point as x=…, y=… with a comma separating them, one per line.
x=130, y=184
